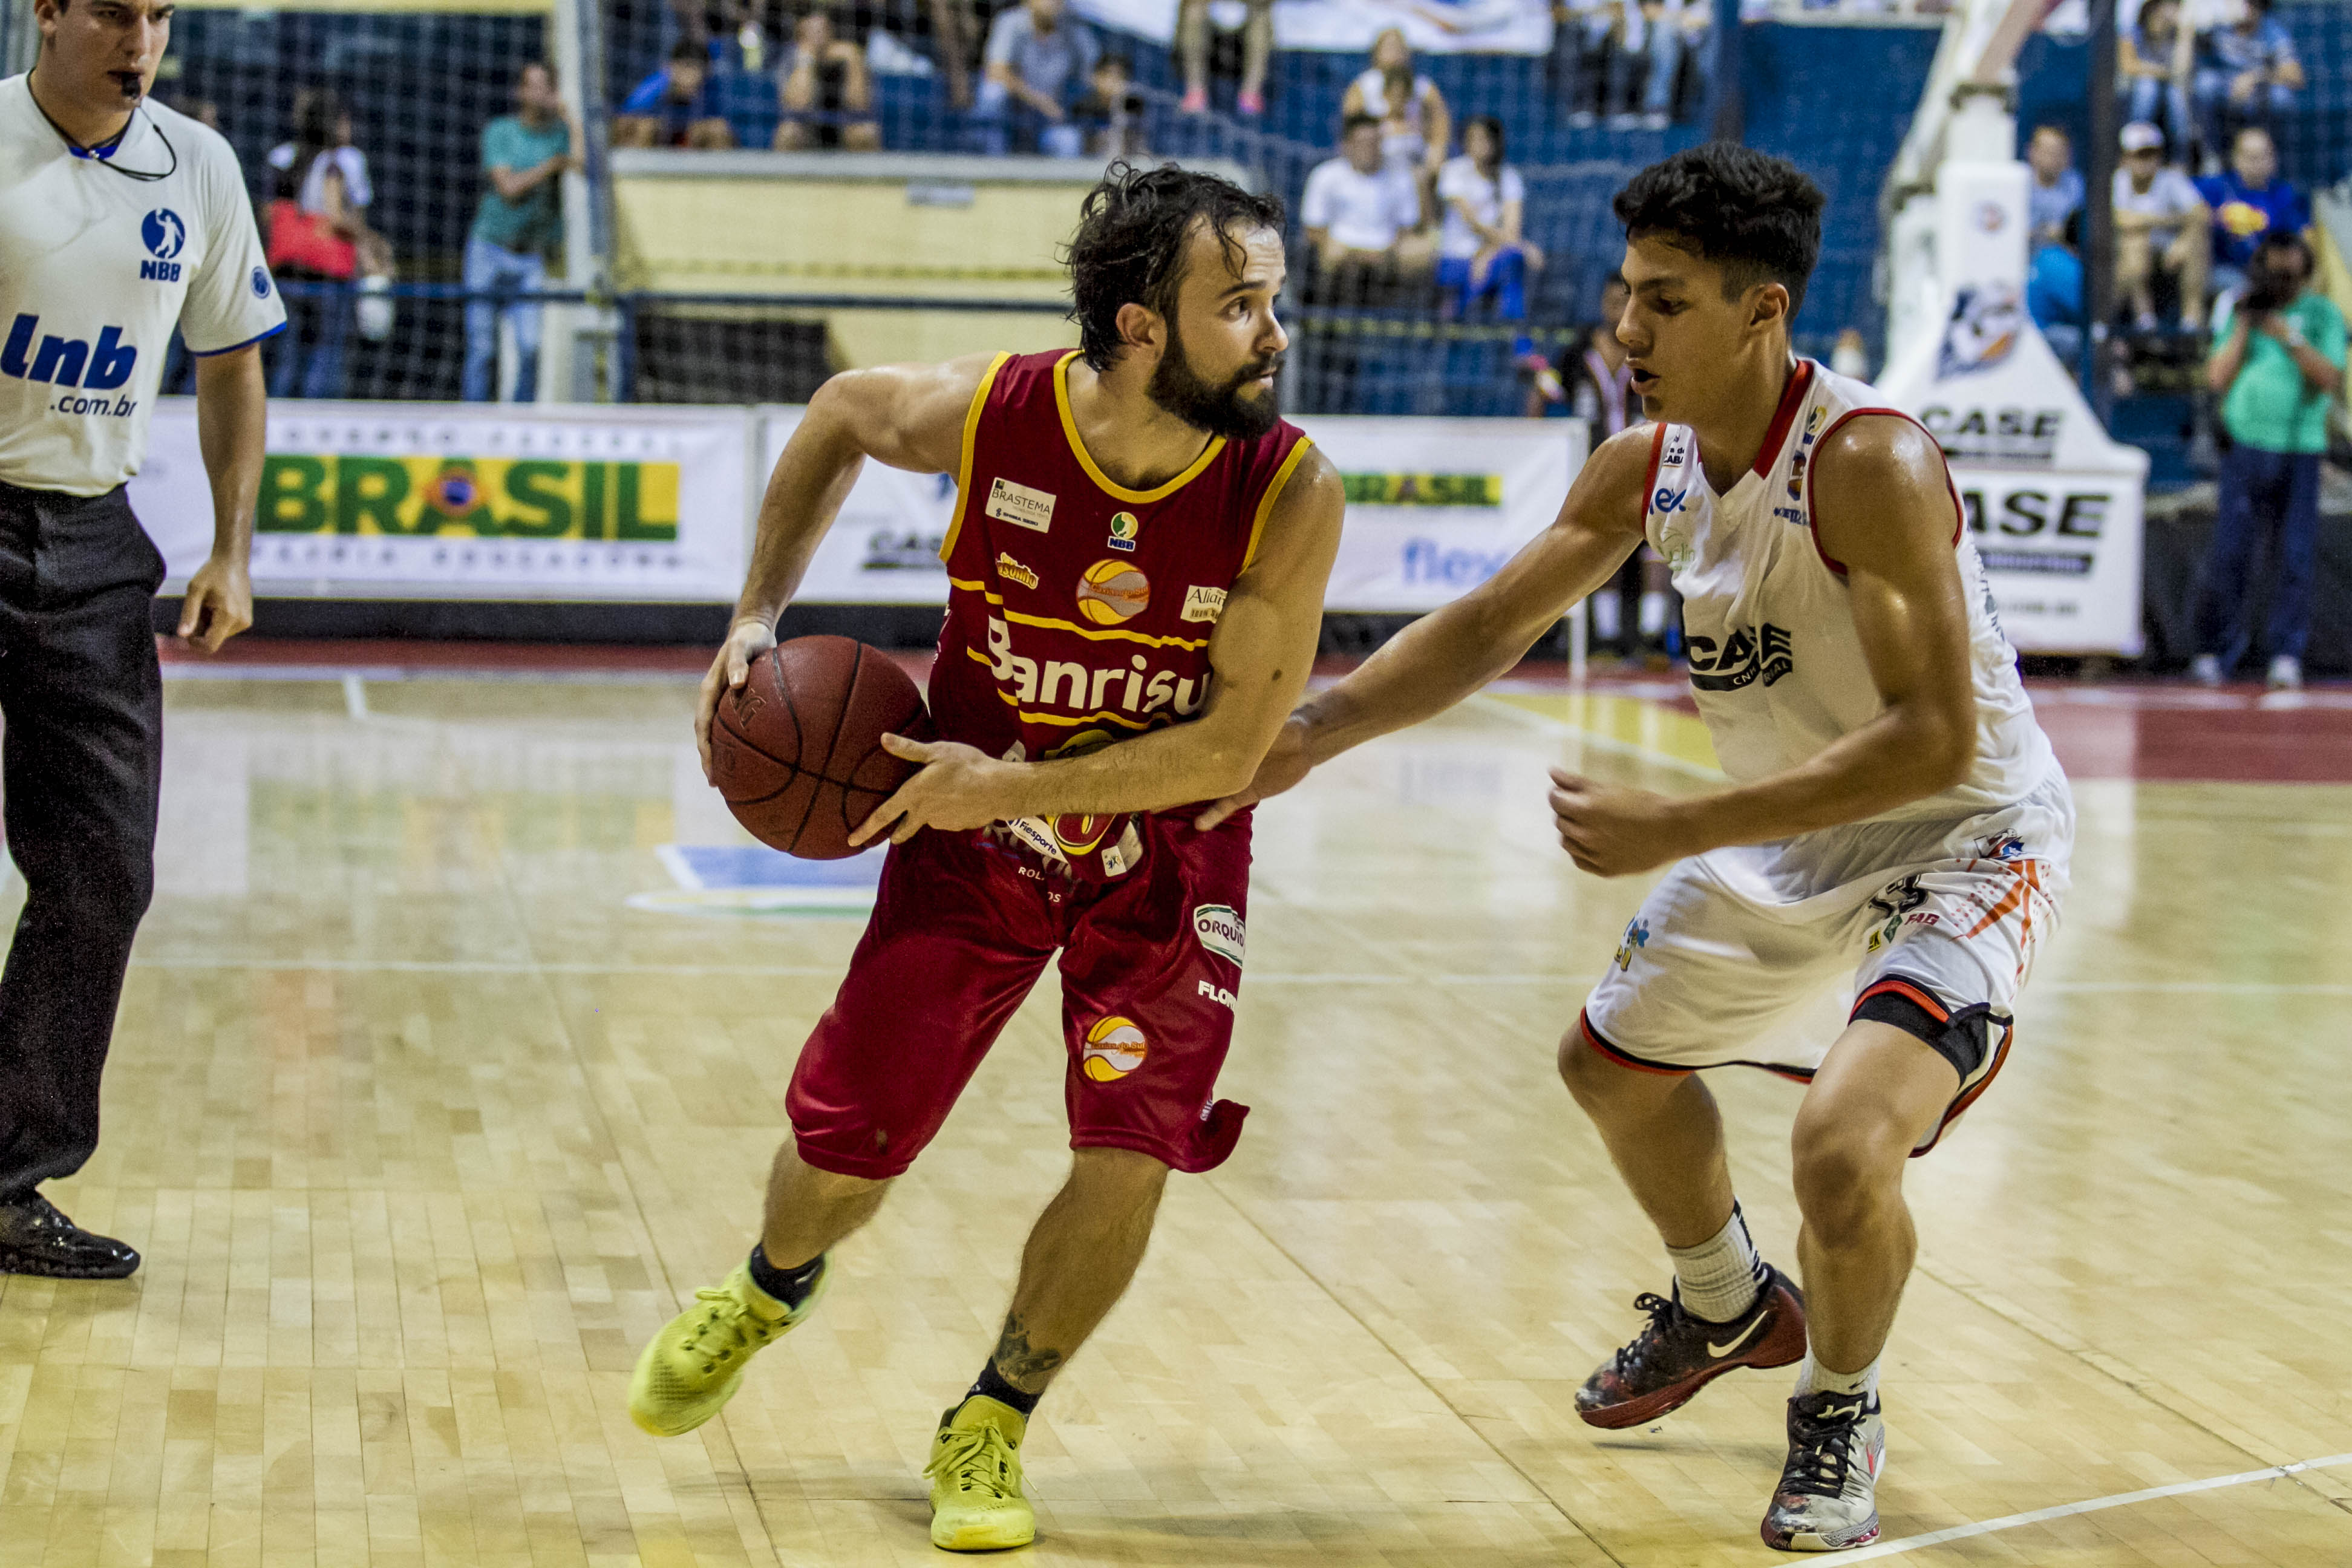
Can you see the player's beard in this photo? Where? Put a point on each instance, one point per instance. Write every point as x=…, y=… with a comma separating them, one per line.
x=1216, y=409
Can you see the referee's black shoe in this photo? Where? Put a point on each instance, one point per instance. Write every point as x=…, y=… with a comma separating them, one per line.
x=34, y=1238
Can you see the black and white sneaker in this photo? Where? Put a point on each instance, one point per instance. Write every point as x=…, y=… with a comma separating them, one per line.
x=1828, y=1497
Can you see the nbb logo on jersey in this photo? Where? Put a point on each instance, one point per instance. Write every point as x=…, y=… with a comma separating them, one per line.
x=165, y=237
x=100, y=366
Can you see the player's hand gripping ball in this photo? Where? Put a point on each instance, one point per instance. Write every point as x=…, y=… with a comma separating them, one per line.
x=797, y=748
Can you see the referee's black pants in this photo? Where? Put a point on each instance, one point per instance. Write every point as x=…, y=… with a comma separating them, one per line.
x=80, y=765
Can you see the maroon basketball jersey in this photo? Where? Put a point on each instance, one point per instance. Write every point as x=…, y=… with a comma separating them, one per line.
x=1078, y=610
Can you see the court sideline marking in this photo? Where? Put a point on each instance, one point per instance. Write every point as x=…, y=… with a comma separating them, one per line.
x=1528, y=718
x=2093, y=1505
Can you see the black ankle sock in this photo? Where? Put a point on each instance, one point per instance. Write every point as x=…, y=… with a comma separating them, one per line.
x=1004, y=1393
x=789, y=1286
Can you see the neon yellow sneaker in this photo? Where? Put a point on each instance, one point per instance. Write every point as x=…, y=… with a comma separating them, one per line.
x=694, y=1365
x=975, y=1471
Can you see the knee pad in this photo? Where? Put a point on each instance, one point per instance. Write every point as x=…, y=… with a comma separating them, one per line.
x=1964, y=1038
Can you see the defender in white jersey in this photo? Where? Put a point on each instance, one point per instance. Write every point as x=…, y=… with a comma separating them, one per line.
x=119, y=219
x=1894, y=838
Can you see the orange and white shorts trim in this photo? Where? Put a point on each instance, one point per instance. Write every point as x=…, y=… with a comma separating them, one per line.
x=1754, y=956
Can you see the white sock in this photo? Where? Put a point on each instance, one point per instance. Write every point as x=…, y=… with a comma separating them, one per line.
x=1814, y=1378
x=1652, y=613
x=1721, y=1276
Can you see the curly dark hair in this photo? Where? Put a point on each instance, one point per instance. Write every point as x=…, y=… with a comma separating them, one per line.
x=1134, y=230
x=1754, y=215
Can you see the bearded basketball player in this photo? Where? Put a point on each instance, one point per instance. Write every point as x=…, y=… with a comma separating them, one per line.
x=1895, y=822
x=1136, y=570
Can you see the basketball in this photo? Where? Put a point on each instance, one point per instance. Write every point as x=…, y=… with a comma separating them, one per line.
x=1113, y=591
x=797, y=748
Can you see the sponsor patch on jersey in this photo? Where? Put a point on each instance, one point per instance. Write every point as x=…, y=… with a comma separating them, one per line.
x=1115, y=1047
x=163, y=233
x=1012, y=571
x=1110, y=591
x=1217, y=994
x=1124, y=527
x=1019, y=505
x=1740, y=659
x=261, y=283
x=1204, y=604
x=1220, y=930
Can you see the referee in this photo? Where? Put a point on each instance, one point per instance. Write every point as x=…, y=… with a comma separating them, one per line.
x=118, y=220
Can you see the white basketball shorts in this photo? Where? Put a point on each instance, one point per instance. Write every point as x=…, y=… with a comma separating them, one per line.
x=1738, y=956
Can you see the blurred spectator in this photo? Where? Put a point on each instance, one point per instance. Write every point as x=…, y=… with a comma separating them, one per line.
x=2278, y=359
x=2246, y=73
x=318, y=235
x=1481, y=247
x=1582, y=33
x=2161, y=231
x=2057, y=193
x=2250, y=202
x=2053, y=288
x=1850, y=354
x=674, y=106
x=2153, y=59
x=1111, y=114
x=955, y=27
x=1630, y=613
x=517, y=227
x=825, y=78
x=1651, y=47
x=1362, y=216
x=1415, y=126
x=1036, y=57
x=1257, y=48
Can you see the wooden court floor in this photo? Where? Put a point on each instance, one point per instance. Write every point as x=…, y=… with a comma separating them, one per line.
x=424, y=1125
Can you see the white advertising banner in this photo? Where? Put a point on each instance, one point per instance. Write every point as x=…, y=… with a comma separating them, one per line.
x=1349, y=26
x=2055, y=505
x=1434, y=507
x=458, y=500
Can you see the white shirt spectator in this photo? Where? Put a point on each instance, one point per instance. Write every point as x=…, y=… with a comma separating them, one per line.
x=2168, y=195
x=349, y=161
x=1362, y=212
x=96, y=269
x=1460, y=180
x=1404, y=148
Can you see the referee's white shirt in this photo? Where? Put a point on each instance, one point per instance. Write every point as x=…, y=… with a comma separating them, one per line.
x=95, y=267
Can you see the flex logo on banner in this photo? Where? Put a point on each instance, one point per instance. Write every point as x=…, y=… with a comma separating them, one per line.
x=482, y=498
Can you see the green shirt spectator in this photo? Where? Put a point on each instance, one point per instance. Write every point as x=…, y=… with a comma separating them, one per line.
x=2272, y=405
x=533, y=223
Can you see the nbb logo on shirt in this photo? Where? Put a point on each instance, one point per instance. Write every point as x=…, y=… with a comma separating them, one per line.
x=165, y=237
x=71, y=361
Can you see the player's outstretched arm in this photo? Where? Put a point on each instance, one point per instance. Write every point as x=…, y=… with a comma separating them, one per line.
x=1261, y=652
x=1452, y=652
x=906, y=415
x=1883, y=510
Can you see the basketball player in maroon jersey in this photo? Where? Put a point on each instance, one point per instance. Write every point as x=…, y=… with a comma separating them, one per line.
x=1136, y=569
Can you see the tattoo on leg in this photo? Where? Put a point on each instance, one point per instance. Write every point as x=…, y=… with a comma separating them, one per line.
x=1026, y=1369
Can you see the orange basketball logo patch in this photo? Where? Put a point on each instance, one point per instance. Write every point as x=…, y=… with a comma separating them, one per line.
x=1110, y=591
x=1115, y=1047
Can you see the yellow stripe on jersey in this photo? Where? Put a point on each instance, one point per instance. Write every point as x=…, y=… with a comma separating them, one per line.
x=1101, y=634
x=1273, y=493
x=1028, y=717
x=1085, y=458
x=963, y=462
x=978, y=588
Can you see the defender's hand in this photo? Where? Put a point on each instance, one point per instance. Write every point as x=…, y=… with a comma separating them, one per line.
x=219, y=604
x=959, y=787
x=1285, y=763
x=747, y=640
x=1617, y=832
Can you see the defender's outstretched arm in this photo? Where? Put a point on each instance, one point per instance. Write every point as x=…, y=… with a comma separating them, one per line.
x=1452, y=652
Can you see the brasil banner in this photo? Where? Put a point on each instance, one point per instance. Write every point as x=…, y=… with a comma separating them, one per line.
x=396, y=500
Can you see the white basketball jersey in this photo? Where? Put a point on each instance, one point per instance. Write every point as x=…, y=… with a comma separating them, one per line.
x=1776, y=665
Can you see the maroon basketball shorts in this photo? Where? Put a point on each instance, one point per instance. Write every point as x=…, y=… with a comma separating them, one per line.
x=963, y=926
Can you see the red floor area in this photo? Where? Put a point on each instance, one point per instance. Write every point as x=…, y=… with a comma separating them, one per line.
x=2137, y=729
